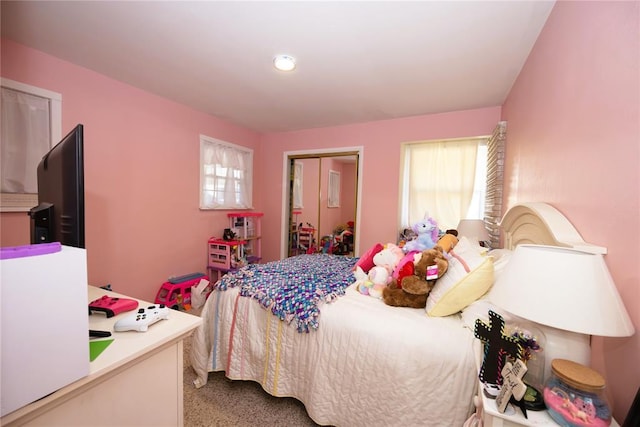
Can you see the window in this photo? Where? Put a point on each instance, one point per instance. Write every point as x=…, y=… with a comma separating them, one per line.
x=226, y=174
x=31, y=123
x=298, y=184
x=444, y=179
x=333, y=196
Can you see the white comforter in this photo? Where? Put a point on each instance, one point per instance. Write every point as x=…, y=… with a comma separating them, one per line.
x=367, y=364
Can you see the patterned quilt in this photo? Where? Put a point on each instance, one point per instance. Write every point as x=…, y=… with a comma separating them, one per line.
x=294, y=287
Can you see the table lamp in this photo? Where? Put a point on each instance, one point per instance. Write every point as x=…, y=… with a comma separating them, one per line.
x=474, y=230
x=569, y=293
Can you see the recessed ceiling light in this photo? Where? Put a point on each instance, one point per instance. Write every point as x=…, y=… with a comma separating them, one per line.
x=284, y=62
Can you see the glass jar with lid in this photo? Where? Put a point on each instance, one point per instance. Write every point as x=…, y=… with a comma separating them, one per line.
x=574, y=395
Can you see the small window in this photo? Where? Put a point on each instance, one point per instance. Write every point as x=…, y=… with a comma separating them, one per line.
x=298, y=185
x=226, y=174
x=30, y=125
x=334, y=189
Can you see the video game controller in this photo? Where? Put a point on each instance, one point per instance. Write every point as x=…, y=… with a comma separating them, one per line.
x=112, y=305
x=141, y=320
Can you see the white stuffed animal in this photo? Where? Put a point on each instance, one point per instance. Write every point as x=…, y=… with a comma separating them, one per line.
x=362, y=283
x=380, y=275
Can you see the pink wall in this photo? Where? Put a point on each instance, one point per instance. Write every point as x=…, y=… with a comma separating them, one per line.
x=573, y=133
x=143, y=224
x=573, y=140
x=381, y=159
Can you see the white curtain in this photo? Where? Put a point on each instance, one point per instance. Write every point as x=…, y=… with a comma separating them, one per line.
x=227, y=177
x=439, y=181
x=25, y=118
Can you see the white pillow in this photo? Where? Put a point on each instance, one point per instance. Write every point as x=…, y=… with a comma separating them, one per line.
x=480, y=310
x=469, y=277
x=500, y=259
x=499, y=253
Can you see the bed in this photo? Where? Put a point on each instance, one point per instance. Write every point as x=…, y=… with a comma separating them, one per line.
x=357, y=361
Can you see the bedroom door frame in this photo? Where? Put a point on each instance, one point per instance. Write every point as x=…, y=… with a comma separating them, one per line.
x=286, y=174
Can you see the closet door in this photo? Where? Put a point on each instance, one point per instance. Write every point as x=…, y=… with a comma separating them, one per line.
x=313, y=214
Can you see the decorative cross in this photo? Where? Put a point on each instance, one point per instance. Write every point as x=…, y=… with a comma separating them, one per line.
x=497, y=346
x=513, y=384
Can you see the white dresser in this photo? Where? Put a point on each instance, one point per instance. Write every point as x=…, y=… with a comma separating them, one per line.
x=137, y=380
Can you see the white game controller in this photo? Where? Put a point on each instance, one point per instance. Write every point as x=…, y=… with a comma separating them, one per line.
x=141, y=320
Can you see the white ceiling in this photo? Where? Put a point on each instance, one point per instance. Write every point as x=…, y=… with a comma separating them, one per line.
x=358, y=61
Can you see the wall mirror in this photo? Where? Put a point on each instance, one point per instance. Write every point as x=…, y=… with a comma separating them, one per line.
x=321, y=204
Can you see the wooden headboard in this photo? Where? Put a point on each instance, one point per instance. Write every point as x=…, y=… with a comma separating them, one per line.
x=542, y=224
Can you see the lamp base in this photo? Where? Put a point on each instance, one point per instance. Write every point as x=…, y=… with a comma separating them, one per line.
x=560, y=344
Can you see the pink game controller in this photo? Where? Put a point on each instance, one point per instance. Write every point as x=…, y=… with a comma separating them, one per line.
x=112, y=305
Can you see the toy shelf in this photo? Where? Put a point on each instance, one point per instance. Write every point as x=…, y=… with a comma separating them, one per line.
x=247, y=226
x=223, y=256
x=223, y=253
x=306, y=240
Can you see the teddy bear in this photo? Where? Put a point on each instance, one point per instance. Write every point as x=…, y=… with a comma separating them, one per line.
x=406, y=266
x=448, y=240
x=430, y=265
x=427, y=235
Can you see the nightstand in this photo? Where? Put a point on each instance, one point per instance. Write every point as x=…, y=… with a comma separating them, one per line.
x=487, y=409
x=492, y=418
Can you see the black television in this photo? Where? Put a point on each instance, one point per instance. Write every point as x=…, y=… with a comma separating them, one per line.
x=59, y=216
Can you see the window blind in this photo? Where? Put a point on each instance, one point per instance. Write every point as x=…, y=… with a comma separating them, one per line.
x=495, y=182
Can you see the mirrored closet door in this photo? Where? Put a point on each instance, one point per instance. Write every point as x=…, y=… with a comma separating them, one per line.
x=322, y=203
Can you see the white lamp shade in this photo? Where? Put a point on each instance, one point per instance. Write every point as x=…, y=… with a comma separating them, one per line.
x=473, y=229
x=563, y=288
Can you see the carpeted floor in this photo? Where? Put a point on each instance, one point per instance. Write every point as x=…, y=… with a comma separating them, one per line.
x=223, y=403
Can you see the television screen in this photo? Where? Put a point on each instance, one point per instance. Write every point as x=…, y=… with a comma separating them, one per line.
x=59, y=216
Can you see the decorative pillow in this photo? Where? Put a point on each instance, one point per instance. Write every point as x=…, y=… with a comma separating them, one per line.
x=366, y=261
x=469, y=277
